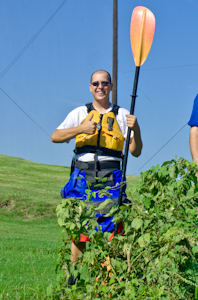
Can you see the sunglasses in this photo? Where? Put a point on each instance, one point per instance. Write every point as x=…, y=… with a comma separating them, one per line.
x=103, y=83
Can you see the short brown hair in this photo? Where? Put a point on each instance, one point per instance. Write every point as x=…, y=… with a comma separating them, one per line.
x=101, y=71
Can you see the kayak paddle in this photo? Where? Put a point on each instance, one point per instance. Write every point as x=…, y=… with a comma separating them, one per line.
x=141, y=34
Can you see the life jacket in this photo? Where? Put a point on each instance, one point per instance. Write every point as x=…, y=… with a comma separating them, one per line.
x=107, y=139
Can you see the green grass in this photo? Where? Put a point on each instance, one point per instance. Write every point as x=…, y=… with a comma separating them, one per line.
x=30, y=190
x=28, y=257
x=29, y=235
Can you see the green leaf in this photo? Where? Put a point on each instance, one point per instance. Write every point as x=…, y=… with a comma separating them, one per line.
x=72, y=226
x=144, y=240
x=194, y=249
x=84, y=222
x=112, y=211
x=49, y=290
x=104, y=179
x=196, y=293
x=137, y=223
x=61, y=222
x=88, y=183
x=108, y=187
x=94, y=194
x=98, y=185
x=84, y=273
x=103, y=204
x=87, y=191
x=79, y=177
x=112, y=280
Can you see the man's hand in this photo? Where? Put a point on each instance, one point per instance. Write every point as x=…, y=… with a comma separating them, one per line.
x=135, y=145
x=64, y=135
x=89, y=126
x=132, y=122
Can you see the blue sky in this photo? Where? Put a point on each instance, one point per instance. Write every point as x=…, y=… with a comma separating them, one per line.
x=51, y=77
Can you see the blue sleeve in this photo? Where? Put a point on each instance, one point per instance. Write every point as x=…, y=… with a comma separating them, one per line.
x=194, y=116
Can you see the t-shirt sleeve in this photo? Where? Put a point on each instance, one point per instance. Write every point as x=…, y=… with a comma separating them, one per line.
x=74, y=118
x=121, y=118
x=194, y=116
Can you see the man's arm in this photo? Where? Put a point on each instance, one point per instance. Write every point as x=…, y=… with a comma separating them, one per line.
x=135, y=144
x=64, y=135
x=194, y=143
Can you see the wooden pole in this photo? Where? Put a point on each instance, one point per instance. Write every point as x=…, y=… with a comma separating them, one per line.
x=115, y=52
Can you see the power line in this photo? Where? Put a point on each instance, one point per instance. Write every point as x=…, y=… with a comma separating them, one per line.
x=131, y=82
x=163, y=68
x=31, y=40
x=162, y=147
x=31, y=118
x=20, y=54
x=193, y=3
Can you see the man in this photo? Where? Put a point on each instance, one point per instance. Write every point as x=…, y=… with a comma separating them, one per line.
x=99, y=129
x=194, y=131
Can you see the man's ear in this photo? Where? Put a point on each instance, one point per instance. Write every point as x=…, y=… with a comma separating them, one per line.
x=111, y=87
x=90, y=87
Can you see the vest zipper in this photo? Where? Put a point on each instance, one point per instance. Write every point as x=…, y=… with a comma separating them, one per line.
x=99, y=126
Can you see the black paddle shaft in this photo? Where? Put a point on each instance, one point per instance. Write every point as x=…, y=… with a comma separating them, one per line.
x=124, y=164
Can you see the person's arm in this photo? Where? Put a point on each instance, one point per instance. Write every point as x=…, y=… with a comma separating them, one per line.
x=135, y=144
x=64, y=135
x=194, y=143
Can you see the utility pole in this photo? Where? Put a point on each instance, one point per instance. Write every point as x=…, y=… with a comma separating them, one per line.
x=115, y=52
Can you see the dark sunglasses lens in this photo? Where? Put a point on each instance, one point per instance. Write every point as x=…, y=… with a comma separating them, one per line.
x=105, y=83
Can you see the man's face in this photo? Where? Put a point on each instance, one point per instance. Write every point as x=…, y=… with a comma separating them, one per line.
x=100, y=86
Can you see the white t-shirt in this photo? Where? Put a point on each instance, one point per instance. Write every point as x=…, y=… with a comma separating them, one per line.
x=76, y=116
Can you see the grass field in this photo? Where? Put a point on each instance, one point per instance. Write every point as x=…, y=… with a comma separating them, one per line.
x=28, y=257
x=29, y=236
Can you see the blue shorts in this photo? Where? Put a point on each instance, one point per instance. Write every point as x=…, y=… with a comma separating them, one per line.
x=77, y=185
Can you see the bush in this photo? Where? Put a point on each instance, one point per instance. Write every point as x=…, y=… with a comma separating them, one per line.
x=156, y=258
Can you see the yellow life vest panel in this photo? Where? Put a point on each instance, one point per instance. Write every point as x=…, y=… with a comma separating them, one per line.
x=107, y=139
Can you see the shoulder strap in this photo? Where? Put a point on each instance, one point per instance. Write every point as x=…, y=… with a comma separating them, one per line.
x=115, y=109
x=89, y=107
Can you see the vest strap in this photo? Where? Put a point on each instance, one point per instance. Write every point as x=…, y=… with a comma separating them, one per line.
x=100, y=165
x=101, y=151
x=90, y=107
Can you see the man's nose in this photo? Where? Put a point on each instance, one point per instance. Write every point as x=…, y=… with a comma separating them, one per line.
x=100, y=84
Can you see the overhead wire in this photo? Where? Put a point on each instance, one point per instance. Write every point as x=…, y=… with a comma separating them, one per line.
x=24, y=111
x=193, y=3
x=20, y=54
x=164, y=144
x=31, y=40
x=30, y=118
x=163, y=68
x=131, y=82
x=160, y=148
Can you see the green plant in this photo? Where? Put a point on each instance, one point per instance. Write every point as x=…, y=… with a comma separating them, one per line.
x=29, y=232
x=156, y=258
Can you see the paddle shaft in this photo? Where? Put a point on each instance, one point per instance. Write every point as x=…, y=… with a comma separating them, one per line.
x=124, y=163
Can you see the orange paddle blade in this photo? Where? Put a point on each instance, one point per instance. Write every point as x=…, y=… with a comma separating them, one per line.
x=141, y=33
